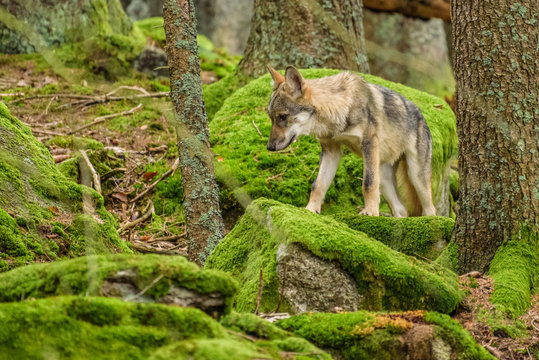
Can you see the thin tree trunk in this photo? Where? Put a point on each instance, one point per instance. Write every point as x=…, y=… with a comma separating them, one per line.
x=305, y=33
x=204, y=224
x=495, y=46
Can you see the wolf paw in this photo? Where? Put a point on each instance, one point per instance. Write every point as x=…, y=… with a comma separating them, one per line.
x=314, y=209
x=369, y=212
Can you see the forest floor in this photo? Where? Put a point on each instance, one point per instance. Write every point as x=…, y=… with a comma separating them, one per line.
x=140, y=158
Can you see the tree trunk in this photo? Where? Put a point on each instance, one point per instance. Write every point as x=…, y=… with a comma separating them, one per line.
x=305, y=33
x=496, y=65
x=424, y=9
x=204, y=224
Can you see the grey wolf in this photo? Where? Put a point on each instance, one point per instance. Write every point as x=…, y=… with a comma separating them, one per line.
x=374, y=122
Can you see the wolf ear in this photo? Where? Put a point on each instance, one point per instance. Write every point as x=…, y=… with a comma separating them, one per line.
x=295, y=82
x=276, y=78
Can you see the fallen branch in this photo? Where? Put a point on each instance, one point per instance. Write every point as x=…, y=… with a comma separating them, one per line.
x=105, y=99
x=148, y=212
x=49, y=104
x=59, y=158
x=106, y=117
x=148, y=249
x=168, y=238
x=95, y=175
x=171, y=171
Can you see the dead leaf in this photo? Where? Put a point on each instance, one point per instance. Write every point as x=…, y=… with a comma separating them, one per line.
x=145, y=238
x=54, y=210
x=143, y=127
x=120, y=196
x=149, y=175
x=220, y=159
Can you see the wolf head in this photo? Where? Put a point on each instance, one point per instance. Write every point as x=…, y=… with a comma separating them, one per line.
x=290, y=108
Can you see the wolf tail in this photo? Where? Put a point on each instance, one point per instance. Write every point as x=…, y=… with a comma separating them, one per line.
x=407, y=191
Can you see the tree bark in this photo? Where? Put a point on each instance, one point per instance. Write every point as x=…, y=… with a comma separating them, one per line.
x=305, y=33
x=495, y=44
x=204, y=224
x=424, y=9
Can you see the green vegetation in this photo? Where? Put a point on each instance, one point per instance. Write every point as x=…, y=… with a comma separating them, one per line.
x=88, y=275
x=37, y=198
x=426, y=236
x=287, y=176
x=515, y=271
x=385, y=278
x=101, y=328
x=367, y=335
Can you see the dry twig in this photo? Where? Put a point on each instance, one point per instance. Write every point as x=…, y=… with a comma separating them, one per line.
x=103, y=118
x=155, y=281
x=256, y=127
x=148, y=212
x=95, y=175
x=171, y=171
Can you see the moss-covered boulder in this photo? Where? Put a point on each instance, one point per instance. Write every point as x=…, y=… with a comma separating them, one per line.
x=426, y=236
x=149, y=278
x=101, y=328
x=42, y=216
x=383, y=278
x=96, y=34
x=364, y=335
x=287, y=175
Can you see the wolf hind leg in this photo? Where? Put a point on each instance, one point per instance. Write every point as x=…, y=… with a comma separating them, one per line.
x=388, y=187
x=419, y=173
x=329, y=162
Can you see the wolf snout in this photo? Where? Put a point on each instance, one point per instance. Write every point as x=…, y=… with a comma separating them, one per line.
x=271, y=146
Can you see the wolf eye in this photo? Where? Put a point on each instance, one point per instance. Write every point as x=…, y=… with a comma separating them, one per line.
x=282, y=118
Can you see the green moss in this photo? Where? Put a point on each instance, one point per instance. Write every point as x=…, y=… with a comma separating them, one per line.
x=386, y=279
x=34, y=190
x=75, y=143
x=454, y=184
x=11, y=239
x=216, y=93
x=426, y=236
x=449, y=257
x=366, y=335
x=97, y=328
x=501, y=324
x=85, y=276
x=287, y=176
x=101, y=328
x=515, y=271
x=70, y=169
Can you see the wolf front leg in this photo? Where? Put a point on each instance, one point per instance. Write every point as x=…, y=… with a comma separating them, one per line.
x=329, y=162
x=371, y=176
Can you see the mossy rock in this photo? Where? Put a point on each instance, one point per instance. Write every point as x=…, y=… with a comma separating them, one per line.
x=383, y=278
x=95, y=34
x=42, y=210
x=101, y=328
x=373, y=336
x=426, y=236
x=287, y=176
x=166, y=279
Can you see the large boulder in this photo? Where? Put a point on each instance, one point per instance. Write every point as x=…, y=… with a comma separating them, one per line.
x=149, y=278
x=245, y=165
x=100, y=328
x=43, y=215
x=415, y=335
x=311, y=262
